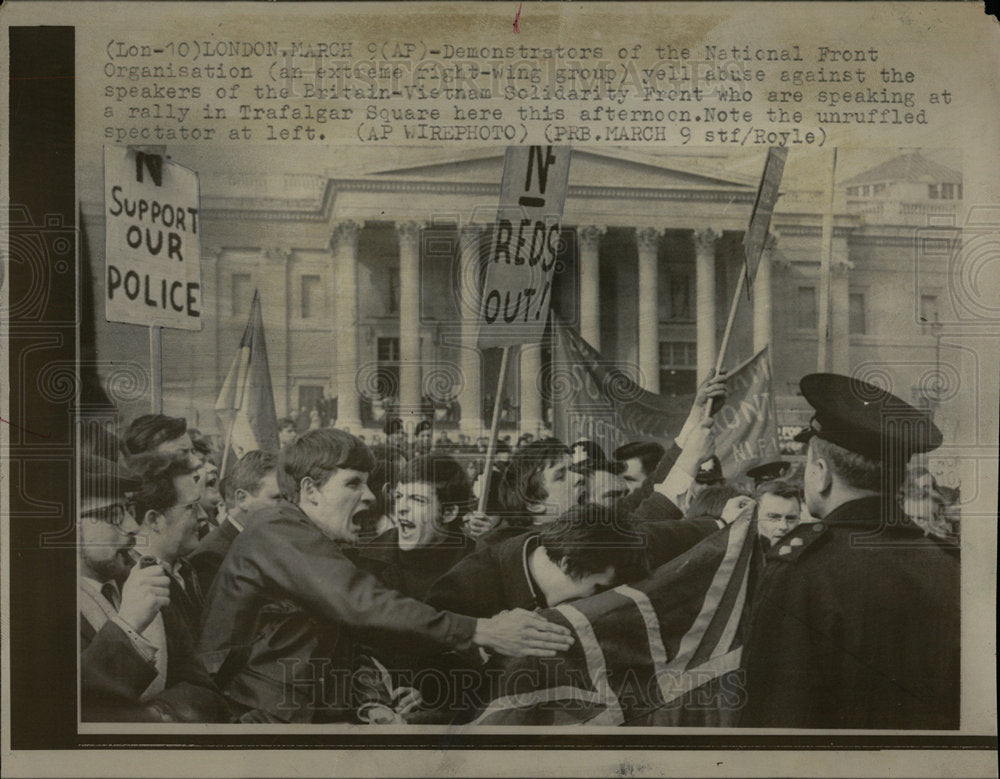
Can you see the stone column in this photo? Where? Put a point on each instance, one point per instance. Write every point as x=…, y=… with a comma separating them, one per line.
x=470, y=398
x=274, y=309
x=409, y=317
x=207, y=378
x=648, y=239
x=344, y=244
x=763, y=329
x=704, y=247
x=840, y=309
x=531, y=398
x=589, y=237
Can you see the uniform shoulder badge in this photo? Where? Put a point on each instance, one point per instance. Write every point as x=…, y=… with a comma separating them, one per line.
x=791, y=546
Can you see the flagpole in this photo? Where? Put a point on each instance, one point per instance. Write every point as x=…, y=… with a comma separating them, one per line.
x=494, y=430
x=156, y=368
x=737, y=293
x=241, y=392
x=753, y=244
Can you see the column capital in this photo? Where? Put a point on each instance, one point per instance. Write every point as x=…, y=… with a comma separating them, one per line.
x=648, y=237
x=841, y=267
x=470, y=230
x=345, y=234
x=704, y=240
x=278, y=254
x=469, y=236
x=590, y=235
x=211, y=252
x=409, y=232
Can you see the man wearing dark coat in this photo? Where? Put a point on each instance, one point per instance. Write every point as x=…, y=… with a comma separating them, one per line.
x=856, y=618
x=513, y=573
x=250, y=486
x=429, y=499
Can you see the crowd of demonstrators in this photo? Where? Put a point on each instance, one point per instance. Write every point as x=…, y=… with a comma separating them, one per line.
x=278, y=628
x=332, y=573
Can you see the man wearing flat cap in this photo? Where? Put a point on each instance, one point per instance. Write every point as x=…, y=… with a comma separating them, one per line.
x=856, y=621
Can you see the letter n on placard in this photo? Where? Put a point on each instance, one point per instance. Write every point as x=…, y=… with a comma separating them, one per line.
x=517, y=288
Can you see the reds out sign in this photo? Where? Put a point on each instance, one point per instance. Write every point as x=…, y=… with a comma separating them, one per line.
x=152, y=240
x=517, y=288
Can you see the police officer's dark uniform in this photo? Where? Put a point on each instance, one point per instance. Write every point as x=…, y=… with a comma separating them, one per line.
x=856, y=619
x=773, y=470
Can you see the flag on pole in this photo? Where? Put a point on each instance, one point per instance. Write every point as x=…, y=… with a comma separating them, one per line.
x=246, y=401
x=593, y=398
x=662, y=652
x=763, y=208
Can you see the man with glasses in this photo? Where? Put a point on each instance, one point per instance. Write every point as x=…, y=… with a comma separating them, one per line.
x=136, y=662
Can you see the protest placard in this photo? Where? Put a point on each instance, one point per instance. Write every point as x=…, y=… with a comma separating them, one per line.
x=523, y=254
x=151, y=232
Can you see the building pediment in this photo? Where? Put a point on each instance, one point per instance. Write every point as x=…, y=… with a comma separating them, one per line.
x=588, y=169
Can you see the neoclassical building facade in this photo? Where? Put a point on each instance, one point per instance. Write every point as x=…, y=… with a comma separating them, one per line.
x=365, y=282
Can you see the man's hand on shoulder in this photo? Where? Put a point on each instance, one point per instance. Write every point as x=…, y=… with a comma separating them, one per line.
x=520, y=633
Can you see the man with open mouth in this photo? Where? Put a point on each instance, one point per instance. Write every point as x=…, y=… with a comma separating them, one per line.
x=428, y=502
x=289, y=602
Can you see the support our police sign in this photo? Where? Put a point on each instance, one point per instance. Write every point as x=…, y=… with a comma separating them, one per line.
x=517, y=287
x=152, y=240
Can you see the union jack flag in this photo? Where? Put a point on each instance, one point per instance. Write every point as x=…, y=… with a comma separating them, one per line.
x=665, y=651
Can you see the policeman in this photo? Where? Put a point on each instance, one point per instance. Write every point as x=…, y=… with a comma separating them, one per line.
x=772, y=470
x=855, y=620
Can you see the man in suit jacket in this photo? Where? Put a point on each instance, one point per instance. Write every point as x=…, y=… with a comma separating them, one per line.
x=137, y=661
x=251, y=485
x=168, y=510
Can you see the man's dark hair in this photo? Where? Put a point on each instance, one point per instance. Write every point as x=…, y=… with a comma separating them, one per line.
x=451, y=482
x=711, y=501
x=157, y=471
x=285, y=423
x=318, y=454
x=150, y=430
x=856, y=470
x=392, y=426
x=201, y=444
x=522, y=482
x=590, y=538
x=649, y=453
x=247, y=474
x=422, y=425
x=388, y=460
x=780, y=488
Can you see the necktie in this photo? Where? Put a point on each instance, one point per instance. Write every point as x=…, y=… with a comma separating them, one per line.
x=110, y=591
